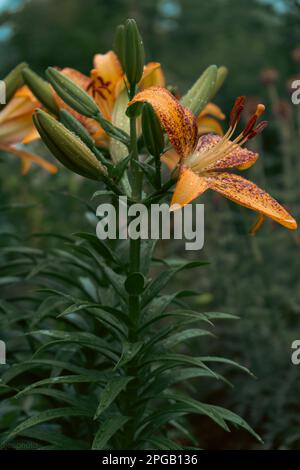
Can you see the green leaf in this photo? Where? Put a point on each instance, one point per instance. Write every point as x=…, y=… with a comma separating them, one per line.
x=107, y=430
x=107, y=315
x=150, y=173
x=164, y=277
x=175, y=360
x=103, y=192
x=183, y=336
x=118, y=170
x=221, y=316
x=186, y=316
x=201, y=408
x=111, y=392
x=17, y=369
x=162, y=443
x=65, y=379
x=82, y=338
x=165, y=379
x=223, y=360
x=113, y=278
x=130, y=350
x=60, y=396
x=43, y=417
x=57, y=439
x=235, y=419
x=99, y=245
x=147, y=249
x=169, y=412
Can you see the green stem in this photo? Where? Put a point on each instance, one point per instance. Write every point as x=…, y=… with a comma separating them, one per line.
x=137, y=174
x=131, y=394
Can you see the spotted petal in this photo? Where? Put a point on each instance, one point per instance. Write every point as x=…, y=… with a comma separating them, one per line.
x=239, y=157
x=178, y=122
x=247, y=194
x=109, y=80
x=188, y=187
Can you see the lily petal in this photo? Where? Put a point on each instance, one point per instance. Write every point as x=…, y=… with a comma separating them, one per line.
x=171, y=159
x=22, y=103
x=31, y=136
x=212, y=109
x=178, y=122
x=108, y=78
x=247, y=194
x=152, y=76
x=238, y=157
x=108, y=66
x=13, y=131
x=188, y=187
x=208, y=124
x=29, y=157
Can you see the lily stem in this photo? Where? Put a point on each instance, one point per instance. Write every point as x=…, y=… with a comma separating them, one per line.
x=131, y=394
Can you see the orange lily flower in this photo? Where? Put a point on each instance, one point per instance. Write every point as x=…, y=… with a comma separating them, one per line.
x=207, y=120
x=105, y=83
x=16, y=127
x=202, y=161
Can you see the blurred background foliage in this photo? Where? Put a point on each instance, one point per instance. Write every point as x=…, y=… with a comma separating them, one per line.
x=256, y=278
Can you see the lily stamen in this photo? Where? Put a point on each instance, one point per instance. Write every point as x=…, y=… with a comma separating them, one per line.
x=225, y=146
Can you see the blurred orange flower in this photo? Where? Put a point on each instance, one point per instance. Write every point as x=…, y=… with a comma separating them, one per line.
x=16, y=127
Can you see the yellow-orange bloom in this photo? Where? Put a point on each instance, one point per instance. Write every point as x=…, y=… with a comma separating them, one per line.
x=202, y=161
x=16, y=127
x=105, y=83
x=207, y=120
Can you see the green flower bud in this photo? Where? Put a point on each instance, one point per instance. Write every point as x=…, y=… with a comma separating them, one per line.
x=119, y=44
x=221, y=76
x=41, y=89
x=79, y=100
x=152, y=131
x=67, y=147
x=75, y=126
x=13, y=81
x=198, y=96
x=134, y=55
x=72, y=94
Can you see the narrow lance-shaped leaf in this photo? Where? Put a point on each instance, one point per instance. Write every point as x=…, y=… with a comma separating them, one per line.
x=111, y=392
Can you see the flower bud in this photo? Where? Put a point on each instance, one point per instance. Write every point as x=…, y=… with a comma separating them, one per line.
x=152, y=131
x=119, y=44
x=72, y=94
x=221, y=76
x=134, y=55
x=71, y=123
x=41, y=89
x=198, y=96
x=67, y=147
x=14, y=80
